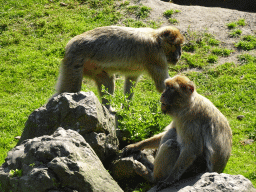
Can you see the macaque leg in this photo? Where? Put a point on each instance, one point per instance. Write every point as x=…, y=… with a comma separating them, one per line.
x=130, y=83
x=70, y=77
x=167, y=155
x=108, y=81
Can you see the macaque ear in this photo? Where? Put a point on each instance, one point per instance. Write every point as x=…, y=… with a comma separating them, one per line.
x=191, y=86
x=165, y=33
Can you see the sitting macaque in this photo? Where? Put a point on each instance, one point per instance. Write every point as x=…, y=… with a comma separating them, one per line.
x=198, y=139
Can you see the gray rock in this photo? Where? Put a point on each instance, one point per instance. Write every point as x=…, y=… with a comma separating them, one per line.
x=103, y=145
x=137, y=165
x=240, y=117
x=81, y=112
x=213, y=182
x=61, y=162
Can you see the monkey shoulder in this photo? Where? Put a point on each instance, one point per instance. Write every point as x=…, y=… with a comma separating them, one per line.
x=205, y=107
x=202, y=115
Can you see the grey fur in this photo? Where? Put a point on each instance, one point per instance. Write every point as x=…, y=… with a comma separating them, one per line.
x=104, y=51
x=199, y=139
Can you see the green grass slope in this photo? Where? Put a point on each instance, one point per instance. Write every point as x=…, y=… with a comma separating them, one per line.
x=33, y=35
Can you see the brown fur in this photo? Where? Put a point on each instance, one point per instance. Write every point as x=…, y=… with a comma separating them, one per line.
x=104, y=51
x=198, y=139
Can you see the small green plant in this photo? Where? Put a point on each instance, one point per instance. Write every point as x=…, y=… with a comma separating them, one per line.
x=236, y=33
x=249, y=38
x=15, y=173
x=241, y=22
x=125, y=3
x=194, y=41
x=222, y=52
x=133, y=23
x=247, y=43
x=140, y=12
x=245, y=58
x=172, y=20
x=138, y=120
x=133, y=9
x=168, y=13
x=252, y=135
x=212, y=58
x=144, y=12
x=190, y=46
x=213, y=42
x=231, y=25
x=32, y=164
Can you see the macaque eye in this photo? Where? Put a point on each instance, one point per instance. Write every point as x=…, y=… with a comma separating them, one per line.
x=169, y=87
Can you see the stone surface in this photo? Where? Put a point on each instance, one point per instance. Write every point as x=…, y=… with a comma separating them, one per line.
x=213, y=182
x=137, y=165
x=63, y=161
x=81, y=112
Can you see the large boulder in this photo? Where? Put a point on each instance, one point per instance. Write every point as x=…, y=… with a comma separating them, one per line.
x=81, y=112
x=61, y=162
x=213, y=182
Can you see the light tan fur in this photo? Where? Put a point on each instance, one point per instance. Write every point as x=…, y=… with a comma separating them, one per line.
x=104, y=51
x=198, y=139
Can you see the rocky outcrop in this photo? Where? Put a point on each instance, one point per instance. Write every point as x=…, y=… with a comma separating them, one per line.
x=138, y=166
x=81, y=112
x=211, y=182
x=63, y=161
x=65, y=144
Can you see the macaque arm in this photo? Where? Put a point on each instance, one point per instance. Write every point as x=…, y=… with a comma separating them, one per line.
x=150, y=143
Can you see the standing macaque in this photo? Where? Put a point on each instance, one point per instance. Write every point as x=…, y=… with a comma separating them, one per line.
x=198, y=139
x=104, y=51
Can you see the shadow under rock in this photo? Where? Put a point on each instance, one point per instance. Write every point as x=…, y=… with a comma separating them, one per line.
x=241, y=5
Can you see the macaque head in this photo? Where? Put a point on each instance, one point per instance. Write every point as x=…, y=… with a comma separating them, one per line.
x=177, y=94
x=172, y=41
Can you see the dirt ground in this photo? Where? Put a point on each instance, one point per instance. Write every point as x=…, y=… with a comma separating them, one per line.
x=205, y=19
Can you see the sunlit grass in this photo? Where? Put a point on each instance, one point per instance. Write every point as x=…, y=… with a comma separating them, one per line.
x=33, y=35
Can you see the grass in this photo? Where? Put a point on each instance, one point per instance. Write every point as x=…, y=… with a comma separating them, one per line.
x=247, y=43
x=139, y=11
x=235, y=33
x=231, y=25
x=172, y=20
x=241, y=22
x=222, y=51
x=169, y=13
x=33, y=35
x=212, y=58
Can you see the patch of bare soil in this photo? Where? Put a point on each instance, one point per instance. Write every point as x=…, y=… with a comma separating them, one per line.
x=205, y=19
